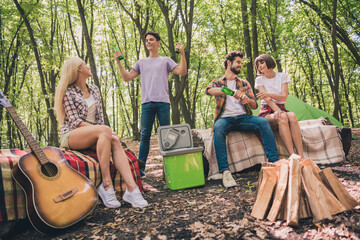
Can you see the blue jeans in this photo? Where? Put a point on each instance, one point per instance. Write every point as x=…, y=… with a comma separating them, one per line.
x=148, y=112
x=243, y=123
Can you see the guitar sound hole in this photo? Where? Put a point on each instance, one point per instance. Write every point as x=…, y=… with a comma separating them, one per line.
x=49, y=169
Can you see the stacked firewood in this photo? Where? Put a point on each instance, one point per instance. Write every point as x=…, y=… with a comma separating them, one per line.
x=291, y=189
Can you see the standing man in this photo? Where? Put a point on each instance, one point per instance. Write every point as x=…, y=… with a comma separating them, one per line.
x=231, y=115
x=155, y=100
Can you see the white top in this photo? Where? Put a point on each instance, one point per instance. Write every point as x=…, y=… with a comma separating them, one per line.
x=90, y=101
x=272, y=85
x=233, y=106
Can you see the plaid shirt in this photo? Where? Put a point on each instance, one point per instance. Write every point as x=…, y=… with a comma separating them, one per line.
x=241, y=85
x=76, y=108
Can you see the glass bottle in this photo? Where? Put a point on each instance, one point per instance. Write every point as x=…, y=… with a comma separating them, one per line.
x=117, y=50
x=227, y=91
x=230, y=92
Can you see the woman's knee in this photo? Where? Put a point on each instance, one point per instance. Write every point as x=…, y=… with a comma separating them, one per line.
x=292, y=117
x=283, y=119
x=115, y=140
x=104, y=131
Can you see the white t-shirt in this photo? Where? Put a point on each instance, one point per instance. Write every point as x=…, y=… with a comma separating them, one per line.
x=233, y=106
x=272, y=85
x=90, y=101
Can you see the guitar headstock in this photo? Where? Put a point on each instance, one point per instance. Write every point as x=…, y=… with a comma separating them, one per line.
x=4, y=101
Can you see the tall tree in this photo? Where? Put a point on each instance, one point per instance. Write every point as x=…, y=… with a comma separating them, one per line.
x=91, y=55
x=249, y=64
x=53, y=139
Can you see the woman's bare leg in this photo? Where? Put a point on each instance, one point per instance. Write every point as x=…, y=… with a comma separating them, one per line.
x=296, y=133
x=284, y=131
x=121, y=163
x=91, y=136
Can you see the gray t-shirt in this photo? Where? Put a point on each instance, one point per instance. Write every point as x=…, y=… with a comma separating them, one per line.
x=154, y=78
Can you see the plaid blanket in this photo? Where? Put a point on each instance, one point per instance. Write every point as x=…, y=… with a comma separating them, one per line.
x=12, y=198
x=321, y=143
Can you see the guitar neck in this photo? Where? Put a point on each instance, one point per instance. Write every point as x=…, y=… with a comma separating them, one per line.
x=28, y=136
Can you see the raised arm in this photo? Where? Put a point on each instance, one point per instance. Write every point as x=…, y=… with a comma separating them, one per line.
x=181, y=69
x=127, y=76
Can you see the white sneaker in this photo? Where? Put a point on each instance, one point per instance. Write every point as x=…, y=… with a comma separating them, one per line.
x=216, y=176
x=108, y=197
x=228, y=180
x=135, y=198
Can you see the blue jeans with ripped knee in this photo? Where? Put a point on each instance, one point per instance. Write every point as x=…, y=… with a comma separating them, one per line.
x=243, y=123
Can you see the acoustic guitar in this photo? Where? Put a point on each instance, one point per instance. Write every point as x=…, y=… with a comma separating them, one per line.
x=57, y=196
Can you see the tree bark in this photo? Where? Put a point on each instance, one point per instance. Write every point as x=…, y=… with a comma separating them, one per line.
x=188, y=107
x=53, y=140
x=249, y=64
x=336, y=62
x=179, y=83
x=91, y=55
x=254, y=35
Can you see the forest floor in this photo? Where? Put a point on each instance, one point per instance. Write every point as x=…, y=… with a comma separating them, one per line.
x=208, y=212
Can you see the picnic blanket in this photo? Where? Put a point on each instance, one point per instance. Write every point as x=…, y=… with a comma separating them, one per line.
x=12, y=198
x=322, y=144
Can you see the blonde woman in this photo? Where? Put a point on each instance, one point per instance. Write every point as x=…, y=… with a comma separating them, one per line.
x=273, y=92
x=79, y=110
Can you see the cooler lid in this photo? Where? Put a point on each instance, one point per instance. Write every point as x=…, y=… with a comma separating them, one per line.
x=173, y=137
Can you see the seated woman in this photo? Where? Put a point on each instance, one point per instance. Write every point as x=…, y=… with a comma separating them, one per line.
x=273, y=92
x=79, y=109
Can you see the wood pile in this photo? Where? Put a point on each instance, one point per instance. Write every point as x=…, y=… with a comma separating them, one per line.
x=292, y=189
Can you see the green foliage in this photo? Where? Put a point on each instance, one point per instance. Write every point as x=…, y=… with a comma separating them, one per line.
x=249, y=187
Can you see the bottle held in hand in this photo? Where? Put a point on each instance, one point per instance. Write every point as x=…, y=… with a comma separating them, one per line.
x=227, y=91
x=177, y=51
x=230, y=92
x=117, y=49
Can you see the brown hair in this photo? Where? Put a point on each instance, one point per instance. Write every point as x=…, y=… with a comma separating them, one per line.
x=269, y=60
x=231, y=56
x=153, y=33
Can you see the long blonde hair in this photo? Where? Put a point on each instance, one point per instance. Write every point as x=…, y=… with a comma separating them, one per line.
x=68, y=76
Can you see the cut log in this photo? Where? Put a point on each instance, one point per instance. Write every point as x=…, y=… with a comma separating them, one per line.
x=322, y=202
x=265, y=192
x=315, y=195
x=294, y=187
x=315, y=168
x=282, y=182
x=334, y=184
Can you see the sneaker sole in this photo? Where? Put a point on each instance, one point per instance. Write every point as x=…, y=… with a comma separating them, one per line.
x=230, y=185
x=133, y=205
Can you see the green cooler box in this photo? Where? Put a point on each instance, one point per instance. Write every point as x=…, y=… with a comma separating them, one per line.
x=183, y=163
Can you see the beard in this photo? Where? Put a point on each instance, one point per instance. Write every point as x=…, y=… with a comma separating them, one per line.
x=234, y=70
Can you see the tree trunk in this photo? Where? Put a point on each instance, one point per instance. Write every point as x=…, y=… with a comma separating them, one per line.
x=91, y=55
x=188, y=107
x=336, y=62
x=249, y=64
x=253, y=10
x=53, y=140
